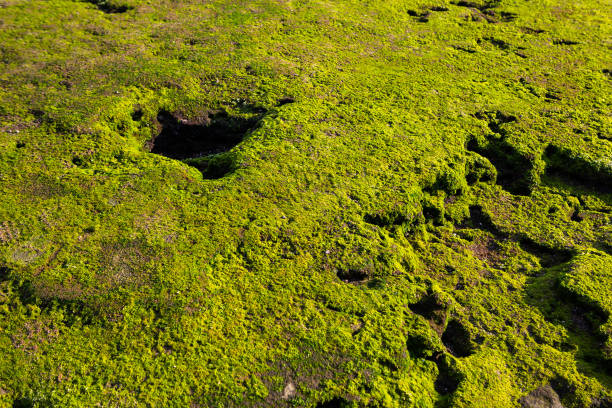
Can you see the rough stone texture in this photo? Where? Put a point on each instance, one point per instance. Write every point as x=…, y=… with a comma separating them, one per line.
x=542, y=397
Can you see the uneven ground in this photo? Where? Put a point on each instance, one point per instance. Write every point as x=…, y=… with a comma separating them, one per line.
x=286, y=203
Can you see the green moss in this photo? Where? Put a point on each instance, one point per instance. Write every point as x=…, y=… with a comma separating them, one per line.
x=413, y=163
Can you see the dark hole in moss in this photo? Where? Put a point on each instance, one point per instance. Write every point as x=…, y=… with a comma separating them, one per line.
x=502, y=45
x=21, y=145
x=480, y=220
x=353, y=275
x=182, y=139
x=438, y=8
x=421, y=17
x=386, y=219
x=334, y=403
x=448, y=379
x=497, y=118
x=110, y=7
x=576, y=216
x=432, y=309
x=552, y=96
x=513, y=169
x=428, y=306
x=431, y=213
x=479, y=6
x=565, y=42
x=418, y=346
x=285, y=101
x=38, y=114
x=23, y=403
x=467, y=4
x=464, y=49
x=424, y=17
x=548, y=256
x=77, y=161
x=562, y=386
x=203, y=142
x=4, y=273
x=137, y=115
x=508, y=16
x=457, y=339
x=579, y=175
x=446, y=383
x=530, y=30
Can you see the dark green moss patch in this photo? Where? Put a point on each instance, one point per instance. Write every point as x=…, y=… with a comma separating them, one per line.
x=213, y=166
x=514, y=169
x=581, y=317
